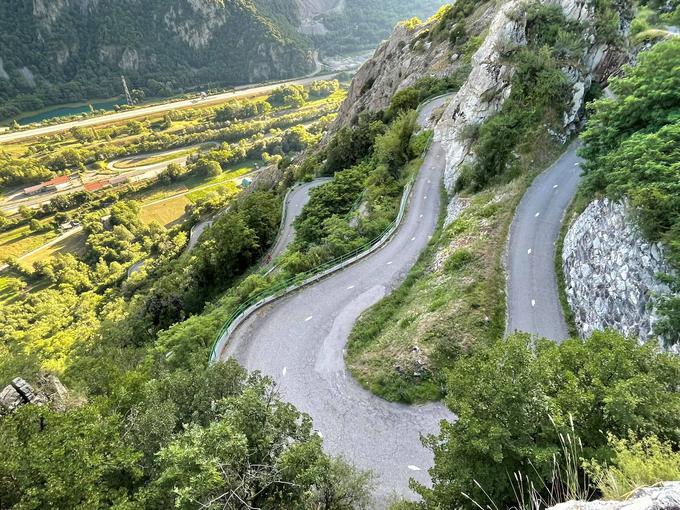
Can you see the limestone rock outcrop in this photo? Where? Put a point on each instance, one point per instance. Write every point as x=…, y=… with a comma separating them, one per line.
x=402, y=60
x=611, y=270
x=490, y=80
x=48, y=390
x=664, y=497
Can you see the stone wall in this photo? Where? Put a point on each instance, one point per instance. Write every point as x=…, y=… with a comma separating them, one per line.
x=611, y=272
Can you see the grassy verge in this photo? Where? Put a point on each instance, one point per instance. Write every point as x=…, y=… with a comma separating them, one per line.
x=20, y=241
x=453, y=298
x=74, y=244
x=577, y=206
x=167, y=213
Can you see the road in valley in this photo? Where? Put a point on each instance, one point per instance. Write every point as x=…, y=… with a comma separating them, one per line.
x=533, y=298
x=299, y=341
x=155, y=109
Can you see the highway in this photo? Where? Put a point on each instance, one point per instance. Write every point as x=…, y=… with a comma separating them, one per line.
x=155, y=109
x=299, y=341
x=533, y=299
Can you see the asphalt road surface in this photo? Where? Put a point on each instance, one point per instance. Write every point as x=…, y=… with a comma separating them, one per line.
x=533, y=299
x=151, y=110
x=299, y=341
x=295, y=202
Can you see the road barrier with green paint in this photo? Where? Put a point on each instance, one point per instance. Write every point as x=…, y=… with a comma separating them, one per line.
x=298, y=281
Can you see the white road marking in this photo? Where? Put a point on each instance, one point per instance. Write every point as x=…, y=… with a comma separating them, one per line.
x=285, y=369
x=309, y=318
x=538, y=214
x=414, y=468
x=529, y=251
x=533, y=303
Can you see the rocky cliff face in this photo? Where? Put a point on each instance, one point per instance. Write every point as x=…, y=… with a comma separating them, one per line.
x=401, y=61
x=489, y=82
x=611, y=272
x=409, y=55
x=76, y=49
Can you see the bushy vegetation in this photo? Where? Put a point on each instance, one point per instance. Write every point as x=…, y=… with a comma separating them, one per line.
x=361, y=200
x=631, y=150
x=210, y=436
x=636, y=463
x=516, y=398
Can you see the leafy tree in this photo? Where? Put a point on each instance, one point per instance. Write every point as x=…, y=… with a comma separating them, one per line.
x=292, y=96
x=515, y=397
x=76, y=459
x=647, y=98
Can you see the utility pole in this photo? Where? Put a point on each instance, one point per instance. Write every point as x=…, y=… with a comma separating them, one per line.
x=128, y=97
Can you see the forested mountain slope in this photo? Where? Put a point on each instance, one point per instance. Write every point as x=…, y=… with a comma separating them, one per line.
x=70, y=50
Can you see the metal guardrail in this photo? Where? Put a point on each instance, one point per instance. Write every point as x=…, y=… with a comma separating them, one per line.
x=285, y=287
x=296, y=282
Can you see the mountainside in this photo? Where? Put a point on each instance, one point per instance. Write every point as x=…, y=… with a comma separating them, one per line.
x=68, y=50
x=60, y=51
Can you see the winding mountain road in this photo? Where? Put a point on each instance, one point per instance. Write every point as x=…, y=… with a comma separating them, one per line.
x=533, y=298
x=299, y=341
x=295, y=202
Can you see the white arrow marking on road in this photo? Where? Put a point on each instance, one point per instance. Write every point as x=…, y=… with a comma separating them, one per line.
x=309, y=318
x=414, y=468
x=533, y=303
x=285, y=369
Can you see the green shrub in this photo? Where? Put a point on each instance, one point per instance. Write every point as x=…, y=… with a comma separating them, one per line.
x=459, y=259
x=637, y=463
x=516, y=396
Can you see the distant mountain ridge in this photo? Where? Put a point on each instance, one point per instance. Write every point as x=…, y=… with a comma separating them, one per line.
x=58, y=51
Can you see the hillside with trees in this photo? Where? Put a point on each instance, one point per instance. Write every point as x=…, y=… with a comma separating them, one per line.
x=61, y=52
